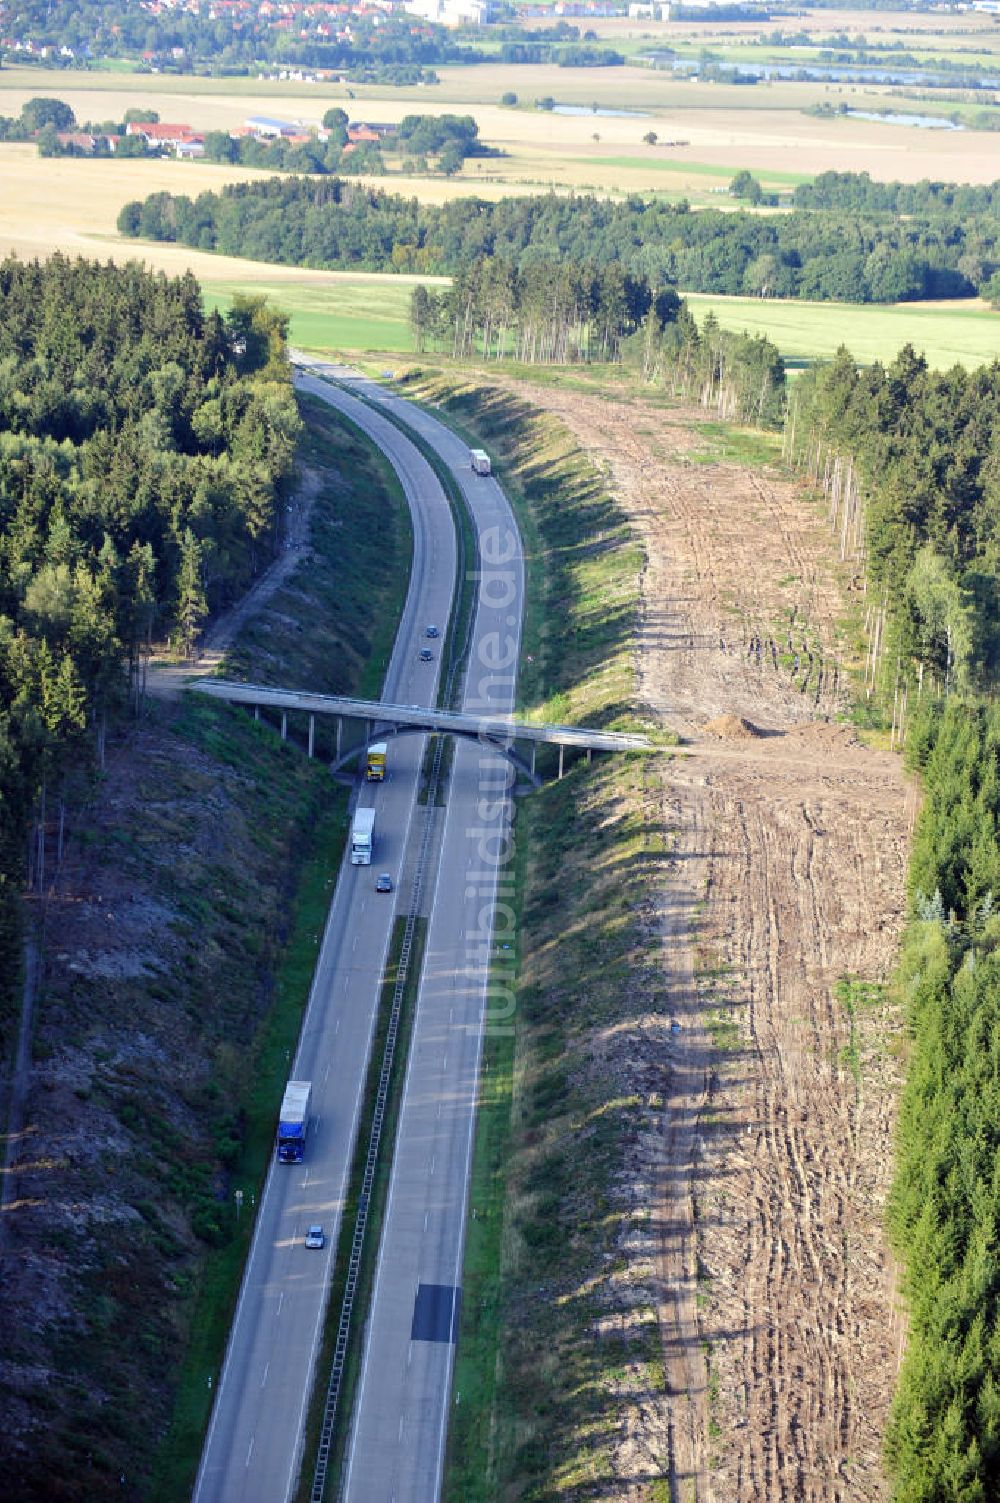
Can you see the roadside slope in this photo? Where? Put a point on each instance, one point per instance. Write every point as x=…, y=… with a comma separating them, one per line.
x=745, y=1147
x=788, y=878
x=182, y=934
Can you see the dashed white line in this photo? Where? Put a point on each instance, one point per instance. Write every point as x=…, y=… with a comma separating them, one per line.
x=250, y=1449
x=263, y=1377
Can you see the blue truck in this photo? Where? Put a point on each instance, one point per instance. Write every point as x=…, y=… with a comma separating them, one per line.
x=293, y=1121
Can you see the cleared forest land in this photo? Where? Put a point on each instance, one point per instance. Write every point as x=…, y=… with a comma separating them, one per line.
x=778, y=926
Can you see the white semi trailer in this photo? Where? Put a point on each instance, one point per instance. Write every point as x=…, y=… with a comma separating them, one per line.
x=362, y=837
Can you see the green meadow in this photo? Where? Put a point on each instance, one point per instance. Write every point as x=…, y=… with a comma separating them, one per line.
x=366, y=314
x=372, y=314
x=955, y=333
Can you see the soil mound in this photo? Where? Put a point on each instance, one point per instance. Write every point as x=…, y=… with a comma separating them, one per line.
x=825, y=733
x=732, y=728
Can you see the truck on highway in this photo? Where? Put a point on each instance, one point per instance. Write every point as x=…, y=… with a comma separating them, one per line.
x=375, y=765
x=293, y=1121
x=362, y=837
x=480, y=461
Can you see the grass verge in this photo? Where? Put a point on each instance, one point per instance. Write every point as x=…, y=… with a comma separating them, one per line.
x=331, y=626
x=218, y=1284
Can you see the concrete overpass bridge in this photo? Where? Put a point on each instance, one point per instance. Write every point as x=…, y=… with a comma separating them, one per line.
x=382, y=720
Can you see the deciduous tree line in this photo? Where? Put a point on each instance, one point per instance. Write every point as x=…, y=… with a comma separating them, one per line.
x=546, y=312
x=558, y=312
x=845, y=254
x=144, y=450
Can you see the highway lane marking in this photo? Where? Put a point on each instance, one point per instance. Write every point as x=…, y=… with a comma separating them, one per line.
x=433, y=1161
x=337, y=1028
x=250, y=1449
x=281, y=1297
x=267, y=1368
x=426, y=1215
x=423, y=534
x=326, y=1073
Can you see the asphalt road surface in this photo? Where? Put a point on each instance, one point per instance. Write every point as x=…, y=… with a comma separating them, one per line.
x=254, y=1443
x=399, y=1429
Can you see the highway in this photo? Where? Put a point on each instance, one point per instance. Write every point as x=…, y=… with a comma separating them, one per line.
x=254, y=1442
x=398, y=1435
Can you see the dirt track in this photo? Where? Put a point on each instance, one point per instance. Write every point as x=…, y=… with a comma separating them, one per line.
x=780, y=1337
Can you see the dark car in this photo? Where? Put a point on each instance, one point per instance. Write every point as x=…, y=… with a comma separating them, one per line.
x=426, y=655
x=432, y=631
x=383, y=883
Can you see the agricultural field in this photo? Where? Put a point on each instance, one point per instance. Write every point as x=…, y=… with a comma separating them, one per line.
x=71, y=205
x=963, y=332
x=704, y=130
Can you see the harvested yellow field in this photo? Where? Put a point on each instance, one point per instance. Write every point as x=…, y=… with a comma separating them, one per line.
x=723, y=127
x=71, y=205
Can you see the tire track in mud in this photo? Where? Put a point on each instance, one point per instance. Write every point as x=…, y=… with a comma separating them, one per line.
x=812, y=1361
x=778, y=1326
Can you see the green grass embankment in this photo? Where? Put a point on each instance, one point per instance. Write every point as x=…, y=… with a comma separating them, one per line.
x=559, y=1341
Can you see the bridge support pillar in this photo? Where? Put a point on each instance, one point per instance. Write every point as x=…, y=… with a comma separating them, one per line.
x=284, y=725
x=256, y=712
x=561, y=750
x=534, y=749
x=340, y=732
x=590, y=755
x=312, y=734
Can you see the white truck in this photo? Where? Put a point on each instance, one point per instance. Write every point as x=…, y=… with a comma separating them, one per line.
x=480, y=461
x=362, y=837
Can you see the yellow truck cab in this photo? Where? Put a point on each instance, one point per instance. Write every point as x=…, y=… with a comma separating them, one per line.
x=375, y=767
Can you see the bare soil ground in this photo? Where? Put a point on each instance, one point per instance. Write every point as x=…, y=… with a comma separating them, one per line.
x=777, y=1313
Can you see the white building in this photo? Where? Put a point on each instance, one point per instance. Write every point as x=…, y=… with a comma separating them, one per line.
x=262, y=125
x=450, y=12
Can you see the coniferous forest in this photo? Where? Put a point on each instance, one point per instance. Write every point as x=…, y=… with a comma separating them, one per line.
x=144, y=450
